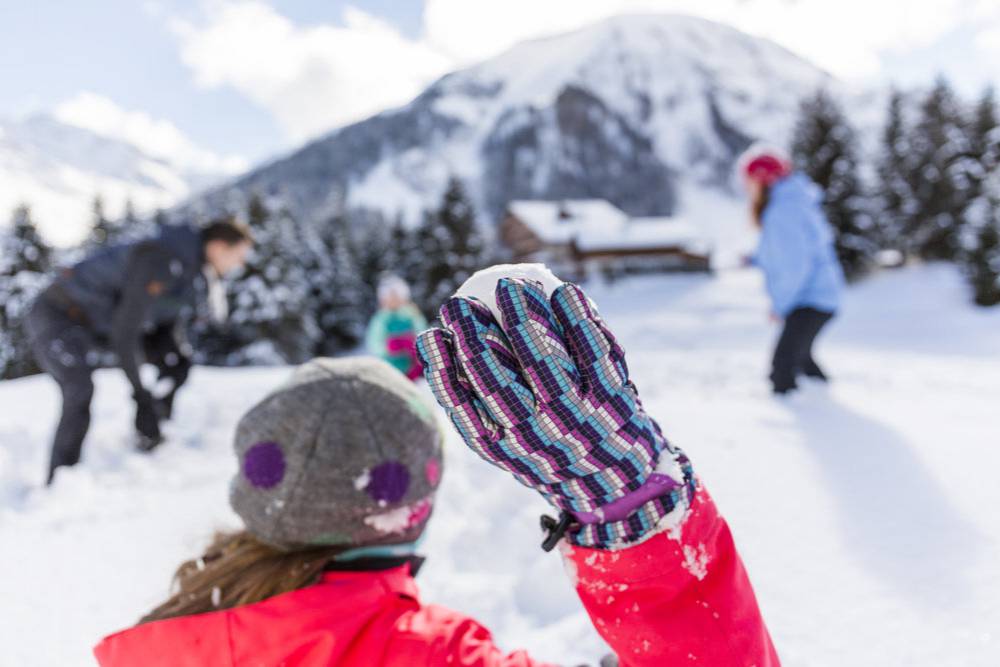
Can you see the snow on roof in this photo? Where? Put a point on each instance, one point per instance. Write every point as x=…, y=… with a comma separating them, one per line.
x=560, y=221
x=596, y=224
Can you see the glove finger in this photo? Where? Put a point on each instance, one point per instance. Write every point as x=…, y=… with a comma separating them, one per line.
x=484, y=354
x=451, y=390
x=597, y=353
x=536, y=338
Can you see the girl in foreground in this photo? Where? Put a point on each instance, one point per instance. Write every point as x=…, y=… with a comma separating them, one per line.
x=337, y=476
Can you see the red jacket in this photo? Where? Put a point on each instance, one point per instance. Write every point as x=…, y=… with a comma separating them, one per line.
x=679, y=598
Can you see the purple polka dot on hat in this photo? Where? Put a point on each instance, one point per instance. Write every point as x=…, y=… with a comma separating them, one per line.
x=389, y=482
x=264, y=465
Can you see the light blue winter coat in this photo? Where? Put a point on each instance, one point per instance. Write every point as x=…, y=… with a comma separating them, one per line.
x=796, y=249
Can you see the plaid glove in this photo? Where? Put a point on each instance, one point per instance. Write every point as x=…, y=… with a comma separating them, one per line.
x=547, y=398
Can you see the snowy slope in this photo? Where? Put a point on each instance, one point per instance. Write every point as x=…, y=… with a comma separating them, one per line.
x=635, y=109
x=679, y=78
x=866, y=513
x=59, y=168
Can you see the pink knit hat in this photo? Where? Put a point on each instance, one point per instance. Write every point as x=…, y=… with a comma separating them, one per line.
x=764, y=164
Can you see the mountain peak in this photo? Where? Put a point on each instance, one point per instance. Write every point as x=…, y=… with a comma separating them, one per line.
x=635, y=109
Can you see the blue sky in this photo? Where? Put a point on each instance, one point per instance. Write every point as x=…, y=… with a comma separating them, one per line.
x=124, y=50
x=251, y=78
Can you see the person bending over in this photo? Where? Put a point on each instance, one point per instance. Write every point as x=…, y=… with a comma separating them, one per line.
x=125, y=305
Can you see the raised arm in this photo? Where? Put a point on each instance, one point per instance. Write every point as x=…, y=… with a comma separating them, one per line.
x=546, y=395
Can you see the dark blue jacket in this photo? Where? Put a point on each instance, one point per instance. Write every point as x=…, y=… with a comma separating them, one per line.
x=127, y=290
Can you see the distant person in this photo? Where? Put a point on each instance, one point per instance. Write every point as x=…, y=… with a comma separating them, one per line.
x=123, y=306
x=803, y=275
x=337, y=476
x=392, y=331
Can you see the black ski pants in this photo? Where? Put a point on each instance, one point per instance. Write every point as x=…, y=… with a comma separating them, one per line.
x=793, y=355
x=69, y=351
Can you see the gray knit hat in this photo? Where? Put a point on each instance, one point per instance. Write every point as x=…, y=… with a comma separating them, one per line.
x=347, y=452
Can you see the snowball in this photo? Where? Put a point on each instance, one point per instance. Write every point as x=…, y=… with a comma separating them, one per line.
x=482, y=284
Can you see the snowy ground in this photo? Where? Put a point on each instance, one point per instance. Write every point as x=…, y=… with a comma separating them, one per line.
x=867, y=513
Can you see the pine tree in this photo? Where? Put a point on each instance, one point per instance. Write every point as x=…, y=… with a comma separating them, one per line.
x=939, y=175
x=339, y=296
x=984, y=134
x=895, y=196
x=132, y=227
x=403, y=257
x=103, y=231
x=268, y=303
x=373, y=248
x=981, y=242
x=450, y=247
x=160, y=219
x=25, y=259
x=984, y=266
x=824, y=148
x=984, y=147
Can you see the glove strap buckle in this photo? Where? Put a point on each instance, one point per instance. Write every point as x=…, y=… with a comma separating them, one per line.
x=554, y=530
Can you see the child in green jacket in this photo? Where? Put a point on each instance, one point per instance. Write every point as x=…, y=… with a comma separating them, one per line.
x=392, y=331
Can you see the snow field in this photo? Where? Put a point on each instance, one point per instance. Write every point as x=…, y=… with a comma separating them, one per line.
x=865, y=511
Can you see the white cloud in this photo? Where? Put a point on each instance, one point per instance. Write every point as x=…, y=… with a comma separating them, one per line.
x=158, y=138
x=311, y=78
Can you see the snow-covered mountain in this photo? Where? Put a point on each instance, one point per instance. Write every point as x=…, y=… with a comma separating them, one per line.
x=58, y=169
x=641, y=110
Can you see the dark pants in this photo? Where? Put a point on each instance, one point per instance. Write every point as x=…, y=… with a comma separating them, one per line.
x=67, y=349
x=793, y=354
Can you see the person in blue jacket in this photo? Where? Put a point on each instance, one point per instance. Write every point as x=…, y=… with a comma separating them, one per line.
x=796, y=253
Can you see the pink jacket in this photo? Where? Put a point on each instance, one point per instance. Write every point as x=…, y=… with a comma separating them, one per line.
x=680, y=598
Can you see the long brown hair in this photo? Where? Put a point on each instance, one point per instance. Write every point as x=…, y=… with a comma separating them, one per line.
x=238, y=569
x=759, y=203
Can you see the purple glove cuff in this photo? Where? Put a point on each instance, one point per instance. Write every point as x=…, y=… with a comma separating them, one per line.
x=658, y=484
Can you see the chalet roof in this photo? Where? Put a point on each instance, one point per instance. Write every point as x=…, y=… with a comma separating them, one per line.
x=596, y=224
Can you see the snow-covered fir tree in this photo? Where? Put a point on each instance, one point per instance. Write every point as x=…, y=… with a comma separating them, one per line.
x=160, y=218
x=339, y=298
x=981, y=242
x=939, y=169
x=984, y=142
x=132, y=226
x=25, y=260
x=824, y=148
x=983, y=265
x=103, y=230
x=404, y=258
x=268, y=302
x=450, y=247
x=373, y=252
x=894, y=198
